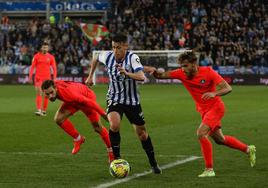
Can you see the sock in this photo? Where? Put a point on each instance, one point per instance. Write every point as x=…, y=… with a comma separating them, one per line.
x=234, y=143
x=105, y=137
x=38, y=101
x=45, y=104
x=68, y=127
x=115, y=142
x=206, y=148
x=149, y=149
x=77, y=138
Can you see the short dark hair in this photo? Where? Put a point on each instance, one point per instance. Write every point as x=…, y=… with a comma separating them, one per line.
x=119, y=37
x=45, y=43
x=47, y=84
x=189, y=56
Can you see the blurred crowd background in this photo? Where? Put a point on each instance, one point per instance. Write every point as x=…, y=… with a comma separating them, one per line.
x=225, y=33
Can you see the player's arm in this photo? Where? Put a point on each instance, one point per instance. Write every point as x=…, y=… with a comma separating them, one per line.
x=32, y=70
x=223, y=88
x=161, y=75
x=89, y=80
x=156, y=73
x=138, y=75
x=54, y=68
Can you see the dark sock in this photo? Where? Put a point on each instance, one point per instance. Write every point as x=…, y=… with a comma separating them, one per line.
x=115, y=142
x=149, y=149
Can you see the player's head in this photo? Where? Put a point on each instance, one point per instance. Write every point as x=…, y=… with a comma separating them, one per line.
x=49, y=89
x=188, y=62
x=44, y=47
x=119, y=46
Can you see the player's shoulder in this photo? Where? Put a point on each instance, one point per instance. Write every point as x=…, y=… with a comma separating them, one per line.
x=205, y=69
x=105, y=53
x=49, y=55
x=58, y=82
x=132, y=54
x=36, y=54
x=102, y=56
x=133, y=57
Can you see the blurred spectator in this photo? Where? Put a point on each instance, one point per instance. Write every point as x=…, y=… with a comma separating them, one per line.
x=225, y=32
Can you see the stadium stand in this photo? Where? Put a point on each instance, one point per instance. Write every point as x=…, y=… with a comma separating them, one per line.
x=226, y=33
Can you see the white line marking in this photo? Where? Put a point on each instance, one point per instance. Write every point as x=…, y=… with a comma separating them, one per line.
x=63, y=153
x=134, y=176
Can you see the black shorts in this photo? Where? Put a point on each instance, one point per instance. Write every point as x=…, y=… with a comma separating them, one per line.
x=134, y=114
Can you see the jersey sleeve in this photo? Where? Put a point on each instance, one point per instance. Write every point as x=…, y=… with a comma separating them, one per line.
x=136, y=63
x=175, y=74
x=102, y=56
x=215, y=77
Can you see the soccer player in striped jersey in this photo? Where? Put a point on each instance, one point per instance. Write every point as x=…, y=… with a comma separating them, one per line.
x=206, y=86
x=41, y=63
x=124, y=69
x=75, y=97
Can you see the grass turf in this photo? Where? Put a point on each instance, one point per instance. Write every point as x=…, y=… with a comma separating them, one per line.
x=34, y=152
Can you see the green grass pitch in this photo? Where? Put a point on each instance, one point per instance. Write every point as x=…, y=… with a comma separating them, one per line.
x=34, y=152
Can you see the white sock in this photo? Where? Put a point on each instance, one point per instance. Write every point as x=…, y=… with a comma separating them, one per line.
x=78, y=138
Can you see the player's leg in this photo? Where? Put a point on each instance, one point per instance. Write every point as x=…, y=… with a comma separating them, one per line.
x=45, y=104
x=114, y=132
x=38, y=99
x=135, y=117
x=45, y=100
x=147, y=146
x=211, y=121
x=115, y=114
x=206, y=149
x=234, y=143
x=98, y=127
x=61, y=118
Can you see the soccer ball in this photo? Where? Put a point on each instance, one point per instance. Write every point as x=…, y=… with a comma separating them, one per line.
x=119, y=168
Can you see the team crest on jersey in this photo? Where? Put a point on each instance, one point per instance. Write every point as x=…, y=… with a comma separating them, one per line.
x=202, y=81
x=138, y=60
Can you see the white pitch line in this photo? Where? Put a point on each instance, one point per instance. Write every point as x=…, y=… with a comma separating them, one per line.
x=134, y=176
x=63, y=153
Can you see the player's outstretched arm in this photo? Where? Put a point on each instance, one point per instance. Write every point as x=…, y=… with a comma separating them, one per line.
x=89, y=81
x=156, y=73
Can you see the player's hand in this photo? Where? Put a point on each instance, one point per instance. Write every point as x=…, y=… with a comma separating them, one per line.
x=89, y=82
x=30, y=81
x=121, y=69
x=208, y=95
x=150, y=70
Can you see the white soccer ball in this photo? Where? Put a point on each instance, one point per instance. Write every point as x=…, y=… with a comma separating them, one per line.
x=119, y=168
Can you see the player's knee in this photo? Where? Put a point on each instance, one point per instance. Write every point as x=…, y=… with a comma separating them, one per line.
x=97, y=127
x=219, y=141
x=58, y=120
x=114, y=126
x=200, y=134
x=142, y=135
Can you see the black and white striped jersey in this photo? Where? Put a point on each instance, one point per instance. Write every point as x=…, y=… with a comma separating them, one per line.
x=122, y=89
